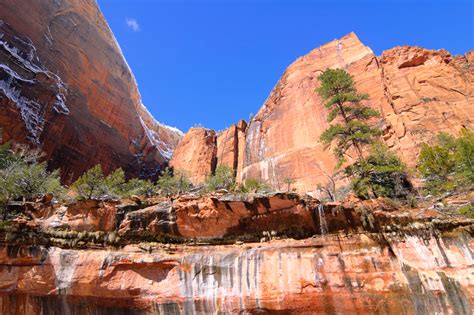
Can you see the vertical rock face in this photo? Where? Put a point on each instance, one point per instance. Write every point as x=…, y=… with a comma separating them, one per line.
x=66, y=87
x=230, y=144
x=419, y=93
x=428, y=92
x=227, y=147
x=195, y=154
x=202, y=150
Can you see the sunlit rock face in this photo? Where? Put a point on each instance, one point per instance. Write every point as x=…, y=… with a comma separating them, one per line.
x=419, y=92
x=233, y=217
x=66, y=87
x=230, y=146
x=195, y=155
x=324, y=275
x=202, y=150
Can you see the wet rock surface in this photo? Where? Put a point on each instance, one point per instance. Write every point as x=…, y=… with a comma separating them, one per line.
x=330, y=274
x=197, y=254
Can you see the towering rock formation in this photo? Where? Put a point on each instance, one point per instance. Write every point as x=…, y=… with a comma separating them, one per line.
x=66, y=87
x=202, y=150
x=230, y=145
x=195, y=154
x=419, y=92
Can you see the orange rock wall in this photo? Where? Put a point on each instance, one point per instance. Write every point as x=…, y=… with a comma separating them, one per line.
x=419, y=92
x=324, y=275
x=195, y=154
x=227, y=147
x=230, y=144
x=66, y=87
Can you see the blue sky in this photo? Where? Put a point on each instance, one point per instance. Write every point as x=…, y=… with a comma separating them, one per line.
x=215, y=62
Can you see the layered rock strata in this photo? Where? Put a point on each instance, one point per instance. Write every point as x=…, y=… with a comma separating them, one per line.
x=364, y=257
x=333, y=274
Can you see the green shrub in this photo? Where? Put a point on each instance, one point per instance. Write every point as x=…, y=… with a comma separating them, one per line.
x=223, y=178
x=447, y=164
x=172, y=185
x=94, y=184
x=467, y=210
x=91, y=184
x=137, y=186
x=381, y=173
x=252, y=185
x=288, y=181
x=23, y=176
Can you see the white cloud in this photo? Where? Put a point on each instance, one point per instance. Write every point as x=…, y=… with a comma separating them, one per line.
x=133, y=24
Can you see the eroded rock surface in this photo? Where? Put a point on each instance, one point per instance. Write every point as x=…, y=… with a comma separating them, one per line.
x=195, y=154
x=66, y=87
x=363, y=257
x=419, y=92
x=326, y=275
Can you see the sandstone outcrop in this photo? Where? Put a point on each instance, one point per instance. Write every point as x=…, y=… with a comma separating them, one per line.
x=237, y=217
x=334, y=274
x=419, y=92
x=363, y=257
x=215, y=217
x=195, y=154
x=230, y=144
x=66, y=87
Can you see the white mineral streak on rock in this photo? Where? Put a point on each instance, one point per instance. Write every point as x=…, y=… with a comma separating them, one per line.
x=165, y=149
x=64, y=265
x=31, y=110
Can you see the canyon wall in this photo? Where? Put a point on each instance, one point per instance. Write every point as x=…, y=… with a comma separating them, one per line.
x=419, y=93
x=200, y=255
x=332, y=274
x=66, y=87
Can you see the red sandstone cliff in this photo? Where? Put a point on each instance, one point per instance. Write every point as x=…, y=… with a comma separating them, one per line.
x=418, y=91
x=66, y=87
x=195, y=154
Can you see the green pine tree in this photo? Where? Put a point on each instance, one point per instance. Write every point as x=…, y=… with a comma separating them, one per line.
x=377, y=172
x=449, y=163
x=170, y=184
x=341, y=98
x=90, y=184
x=23, y=177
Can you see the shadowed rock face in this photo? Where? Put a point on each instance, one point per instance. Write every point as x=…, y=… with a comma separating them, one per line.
x=65, y=87
x=325, y=275
x=419, y=93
